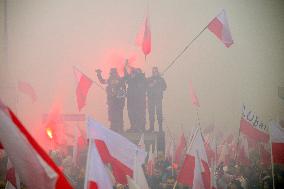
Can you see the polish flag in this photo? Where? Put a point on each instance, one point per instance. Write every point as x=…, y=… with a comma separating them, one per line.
x=252, y=132
x=179, y=153
x=277, y=142
x=220, y=27
x=34, y=166
x=194, y=99
x=116, y=150
x=96, y=174
x=27, y=89
x=138, y=174
x=187, y=172
x=12, y=178
x=83, y=86
x=151, y=162
x=143, y=38
x=197, y=178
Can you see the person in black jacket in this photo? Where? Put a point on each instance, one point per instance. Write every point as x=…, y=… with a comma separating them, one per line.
x=115, y=98
x=156, y=86
x=136, y=98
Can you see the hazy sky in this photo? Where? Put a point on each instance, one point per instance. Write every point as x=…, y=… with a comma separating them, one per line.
x=47, y=38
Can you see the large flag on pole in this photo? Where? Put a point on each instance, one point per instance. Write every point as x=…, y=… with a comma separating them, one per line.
x=143, y=38
x=34, y=166
x=277, y=143
x=220, y=27
x=27, y=89
x=187, y=172
x=83, y=85
x=116, y=150
x=96, y=174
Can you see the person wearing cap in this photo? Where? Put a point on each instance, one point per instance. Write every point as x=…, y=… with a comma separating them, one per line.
x=156, y=86
x=115, y=98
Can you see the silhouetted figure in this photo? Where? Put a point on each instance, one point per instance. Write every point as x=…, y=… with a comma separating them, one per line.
x=156, y=85
x=136, y=98
x=115, y=98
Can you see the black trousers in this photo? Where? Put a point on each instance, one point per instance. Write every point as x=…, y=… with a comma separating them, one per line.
x=155, y=107
x=115, y=113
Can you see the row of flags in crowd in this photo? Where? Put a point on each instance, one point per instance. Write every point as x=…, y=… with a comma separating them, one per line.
x=197, y=156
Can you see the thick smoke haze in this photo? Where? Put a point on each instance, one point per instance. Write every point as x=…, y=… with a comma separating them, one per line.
x=41, y=41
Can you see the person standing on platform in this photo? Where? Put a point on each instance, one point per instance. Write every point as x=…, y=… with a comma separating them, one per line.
x=136, y=97
x=156, y=86
x=116, y=91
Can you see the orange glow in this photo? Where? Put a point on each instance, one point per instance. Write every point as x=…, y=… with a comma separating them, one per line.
x=49, y=133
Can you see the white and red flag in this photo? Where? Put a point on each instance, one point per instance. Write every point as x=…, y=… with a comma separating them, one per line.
x=151, y=162
x=193, y=96
x=116, y=150
x=96, y=176
x=34, y=166
x=27, y=89
x=83, y=85
x=277, y=142
x=180, y=151
x=12, y=178
x=253, y=133
x=220, y=27
x=187, y=172
x=197, y=178
x=143, y=38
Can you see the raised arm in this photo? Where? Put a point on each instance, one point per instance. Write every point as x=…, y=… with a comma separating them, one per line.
x=100, y=77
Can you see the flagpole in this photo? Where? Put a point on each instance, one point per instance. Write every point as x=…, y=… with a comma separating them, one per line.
x=197, y=114
x=183, y=51
x=272, y=166
x=96, y=83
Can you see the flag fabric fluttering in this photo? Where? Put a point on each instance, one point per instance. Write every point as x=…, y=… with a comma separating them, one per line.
x=253, y=133
x=194, y=99
x=187, y=172
x=143, y=38
x=197, y=178
x=96, y=176
x=12, y=178
x=179, y=153
x=116, y=150
x=277, y=142
x=138, y=174
x=220, y=27
x=34, y=166
x=83, y=85
x=27, y=89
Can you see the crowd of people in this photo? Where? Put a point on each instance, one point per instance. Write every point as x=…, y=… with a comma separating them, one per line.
x=138, y=91
x=227, y=176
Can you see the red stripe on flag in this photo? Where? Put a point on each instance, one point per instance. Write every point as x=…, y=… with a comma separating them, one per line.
x=119, y=169
x=186, y=177
x=247, y=129
x=278, y=152
x=61, y=181
x=11, y=176
x=92, y=185
x=216, y=27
